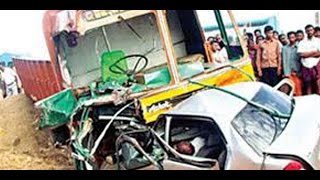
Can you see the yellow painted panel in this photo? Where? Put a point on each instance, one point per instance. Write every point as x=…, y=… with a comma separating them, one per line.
x=157, y=104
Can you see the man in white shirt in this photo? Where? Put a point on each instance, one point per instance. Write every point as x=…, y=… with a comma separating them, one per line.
x=218, y=55
x=190, y=147
x=9, y=77
x=197, y=143
x=299, y=36
x=309, y=51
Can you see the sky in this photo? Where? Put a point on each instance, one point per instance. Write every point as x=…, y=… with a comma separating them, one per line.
x=288, y=19
x=21, y=30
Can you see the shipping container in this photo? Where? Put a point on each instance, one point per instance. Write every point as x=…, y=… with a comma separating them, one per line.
x=38, y=77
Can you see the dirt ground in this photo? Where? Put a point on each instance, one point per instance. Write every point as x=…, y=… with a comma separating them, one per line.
x=22, y=146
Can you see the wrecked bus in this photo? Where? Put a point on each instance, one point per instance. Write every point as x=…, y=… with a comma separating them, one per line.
x=120, y=69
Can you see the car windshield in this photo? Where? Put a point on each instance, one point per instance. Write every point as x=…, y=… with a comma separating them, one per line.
x=259, y=128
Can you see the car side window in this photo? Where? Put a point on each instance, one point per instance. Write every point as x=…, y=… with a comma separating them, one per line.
x=218, y=24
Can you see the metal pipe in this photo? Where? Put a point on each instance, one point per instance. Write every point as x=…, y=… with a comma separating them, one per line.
x=96, y=144
x=104, y=31
x=118, y=118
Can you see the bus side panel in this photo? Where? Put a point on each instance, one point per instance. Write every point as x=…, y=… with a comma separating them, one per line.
x=37, y=78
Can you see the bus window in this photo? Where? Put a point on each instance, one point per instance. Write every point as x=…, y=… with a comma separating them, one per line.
x=187, y=42
x=217, y=24
x=127, y=40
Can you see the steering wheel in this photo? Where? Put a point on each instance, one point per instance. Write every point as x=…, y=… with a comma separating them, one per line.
x=115, y=68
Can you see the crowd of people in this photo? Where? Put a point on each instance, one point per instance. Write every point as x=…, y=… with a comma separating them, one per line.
x=293, y=55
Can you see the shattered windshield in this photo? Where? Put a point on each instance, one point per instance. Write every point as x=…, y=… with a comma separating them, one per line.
x=138, y=37
x=271, y=98
x=258, y=128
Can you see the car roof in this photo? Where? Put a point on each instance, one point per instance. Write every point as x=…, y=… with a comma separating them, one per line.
x=219, y=106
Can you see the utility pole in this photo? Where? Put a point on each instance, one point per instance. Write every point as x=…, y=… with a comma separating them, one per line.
x=317, y=18
x=277, y=23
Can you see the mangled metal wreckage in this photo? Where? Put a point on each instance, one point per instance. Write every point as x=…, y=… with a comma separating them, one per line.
x=124, y=69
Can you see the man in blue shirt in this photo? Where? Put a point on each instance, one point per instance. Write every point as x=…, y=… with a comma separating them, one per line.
x=291, y=62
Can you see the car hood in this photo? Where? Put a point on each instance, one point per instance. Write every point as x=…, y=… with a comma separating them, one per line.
x=301, y=136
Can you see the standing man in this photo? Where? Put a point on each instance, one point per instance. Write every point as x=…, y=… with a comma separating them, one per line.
x=317, y=32
x=283, y=39
x=257, y=33
x=309, y=51
x=269, y=59
x=259, y=40
x=252, y=50
x=220, y=41
x=291, y=62
x=19, y=83
x=299, y=35
x=250, y=36
x=276, y=35
x=10, y=79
